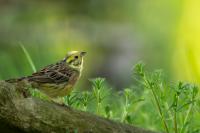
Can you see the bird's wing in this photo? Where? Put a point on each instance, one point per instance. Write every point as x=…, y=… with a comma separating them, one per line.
x=57, y=73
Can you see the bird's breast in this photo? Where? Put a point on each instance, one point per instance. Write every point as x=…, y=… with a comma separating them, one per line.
x=60, y=89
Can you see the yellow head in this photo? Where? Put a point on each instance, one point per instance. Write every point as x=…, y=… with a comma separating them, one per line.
x=74, y=59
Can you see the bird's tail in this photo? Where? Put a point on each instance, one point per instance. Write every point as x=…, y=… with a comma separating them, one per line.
x=15, y=80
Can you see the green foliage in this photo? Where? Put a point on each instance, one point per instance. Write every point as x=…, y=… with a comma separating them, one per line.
x=174, y=103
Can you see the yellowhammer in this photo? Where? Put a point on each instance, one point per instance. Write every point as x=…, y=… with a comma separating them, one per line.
x=57, y=80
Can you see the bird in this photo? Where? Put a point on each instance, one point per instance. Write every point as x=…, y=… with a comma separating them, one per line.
x=57, y=80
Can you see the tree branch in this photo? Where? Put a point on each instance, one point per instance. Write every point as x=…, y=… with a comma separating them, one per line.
x=19, y=112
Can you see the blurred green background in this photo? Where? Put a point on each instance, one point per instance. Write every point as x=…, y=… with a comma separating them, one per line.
x=115, y=33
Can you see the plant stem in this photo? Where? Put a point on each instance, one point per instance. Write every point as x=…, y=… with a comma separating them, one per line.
x=85, y=108
x=98, y=101
x=186, y=118
x=175, y=112
x=157, y=103
x=125, y=109
x=175, y=123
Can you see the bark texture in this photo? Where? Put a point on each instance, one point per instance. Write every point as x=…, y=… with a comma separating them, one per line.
x=19, y=112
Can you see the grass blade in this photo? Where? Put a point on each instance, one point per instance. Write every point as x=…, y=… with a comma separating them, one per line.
x=28, y=57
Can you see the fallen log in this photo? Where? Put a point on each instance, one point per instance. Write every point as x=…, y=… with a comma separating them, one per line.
x=22, y=113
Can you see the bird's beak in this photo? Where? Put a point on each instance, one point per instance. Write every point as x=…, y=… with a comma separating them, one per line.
x=83, y=53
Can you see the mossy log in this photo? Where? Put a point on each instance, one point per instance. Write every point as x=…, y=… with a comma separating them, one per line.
x=21, y=113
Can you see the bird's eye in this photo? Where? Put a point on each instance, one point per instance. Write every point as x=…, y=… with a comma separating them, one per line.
x=76, y=57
